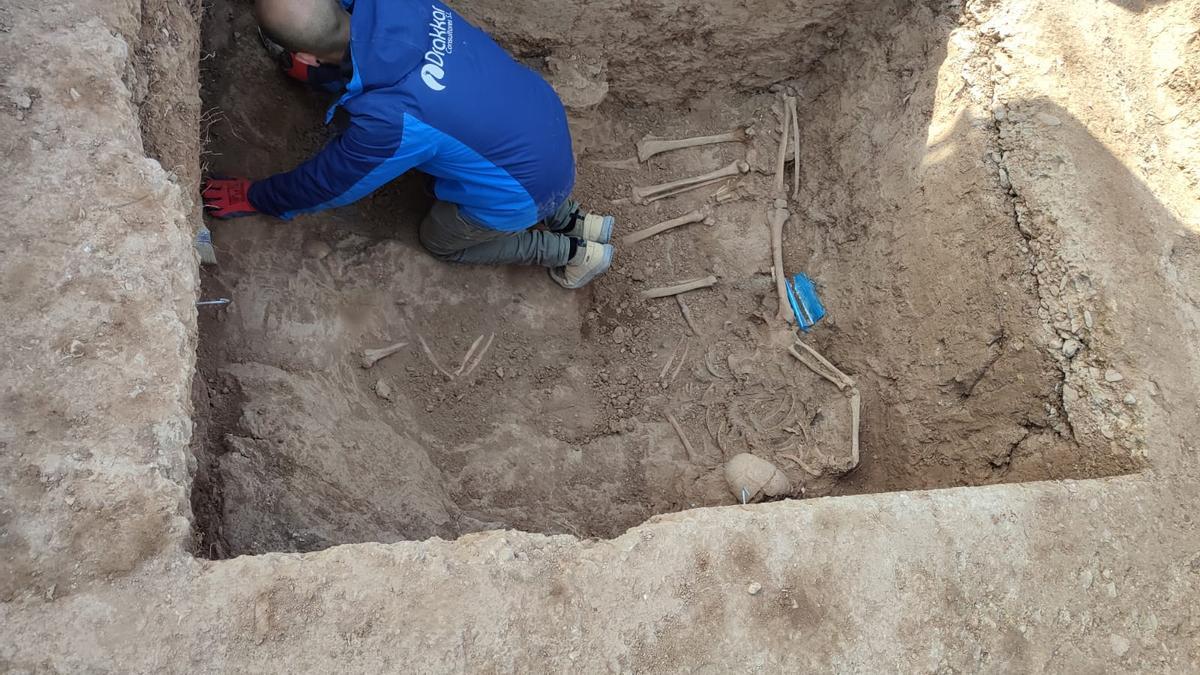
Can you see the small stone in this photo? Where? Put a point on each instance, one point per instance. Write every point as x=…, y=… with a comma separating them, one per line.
x=754, y=588
x=1048, y=119
x=618, y=334
x=1111, y=375
x=23, y=101
x=70, y=500
x=383, y=390
x=75, y=94
x=75, y=349
x=500, y=373
x=1087, y=319
x=316, y=249
x=1119, y=644
x=1130, y=399
x=1070, y=348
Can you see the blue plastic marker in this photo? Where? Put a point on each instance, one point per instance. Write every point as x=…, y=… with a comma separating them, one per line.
x=806, y=306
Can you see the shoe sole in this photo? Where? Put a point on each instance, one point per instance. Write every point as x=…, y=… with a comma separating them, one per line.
x=596, y=271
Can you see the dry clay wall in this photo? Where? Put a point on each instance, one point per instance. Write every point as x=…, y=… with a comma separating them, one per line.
x=98, y=280
x=669, y=51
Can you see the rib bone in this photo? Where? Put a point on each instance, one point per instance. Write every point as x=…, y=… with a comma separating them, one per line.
x=684, y=287
x=697, y=216
x=479, y=355
x=371, y=356
x=650, y=146
x=469, y=354
x=645, y=195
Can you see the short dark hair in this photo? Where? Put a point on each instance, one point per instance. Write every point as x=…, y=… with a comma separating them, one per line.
x=313, y=26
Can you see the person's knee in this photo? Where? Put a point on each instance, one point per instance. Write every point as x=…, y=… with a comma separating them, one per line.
x=437, y=247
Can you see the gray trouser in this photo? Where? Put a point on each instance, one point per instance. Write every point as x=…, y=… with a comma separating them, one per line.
x=452, y=236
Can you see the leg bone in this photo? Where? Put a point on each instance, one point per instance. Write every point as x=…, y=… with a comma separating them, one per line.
x=668, y=291
x=697, y=216
x=781, y=155
x=649, y=147
x=645, y=195
x=791, y=108
x=776, y=219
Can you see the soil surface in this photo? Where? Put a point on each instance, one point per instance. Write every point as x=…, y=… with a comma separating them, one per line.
x=564, y=426
x=1075, y=126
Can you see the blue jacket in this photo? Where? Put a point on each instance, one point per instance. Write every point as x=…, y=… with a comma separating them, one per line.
x=430, y=91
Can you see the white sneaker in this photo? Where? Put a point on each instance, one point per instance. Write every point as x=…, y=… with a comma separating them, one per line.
x=589, y=226
x=589, y=262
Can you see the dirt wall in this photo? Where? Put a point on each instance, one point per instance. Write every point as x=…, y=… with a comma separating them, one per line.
x=671, y=51
x=99, y=278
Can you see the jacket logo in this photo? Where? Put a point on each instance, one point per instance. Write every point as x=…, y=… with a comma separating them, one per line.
x=432, y=76
x=441, y=36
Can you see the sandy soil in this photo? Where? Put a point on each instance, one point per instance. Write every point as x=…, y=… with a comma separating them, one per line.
x=563, y=429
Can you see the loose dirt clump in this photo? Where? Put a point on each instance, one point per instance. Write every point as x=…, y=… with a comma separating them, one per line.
x=592, y=411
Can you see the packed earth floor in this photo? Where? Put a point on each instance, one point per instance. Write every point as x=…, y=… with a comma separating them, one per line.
x=937, y=308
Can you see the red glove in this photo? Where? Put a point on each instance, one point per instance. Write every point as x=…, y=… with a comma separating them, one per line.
x=227, y=197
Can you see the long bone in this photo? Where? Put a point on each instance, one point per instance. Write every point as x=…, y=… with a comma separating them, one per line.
x=371, y=356
x=651, y=193
x=781, y=155
x=668, y=291
x=823, y=367
x=697, y=216
x=651, y=146
x=790, y=102
x=776, y=218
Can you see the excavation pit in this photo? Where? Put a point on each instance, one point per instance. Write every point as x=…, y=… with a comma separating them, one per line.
x=937, y=309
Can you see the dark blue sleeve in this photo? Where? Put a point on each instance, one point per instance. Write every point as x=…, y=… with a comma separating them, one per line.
x=356, y=163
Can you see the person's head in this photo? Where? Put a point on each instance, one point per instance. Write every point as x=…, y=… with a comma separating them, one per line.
x=318, y=31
